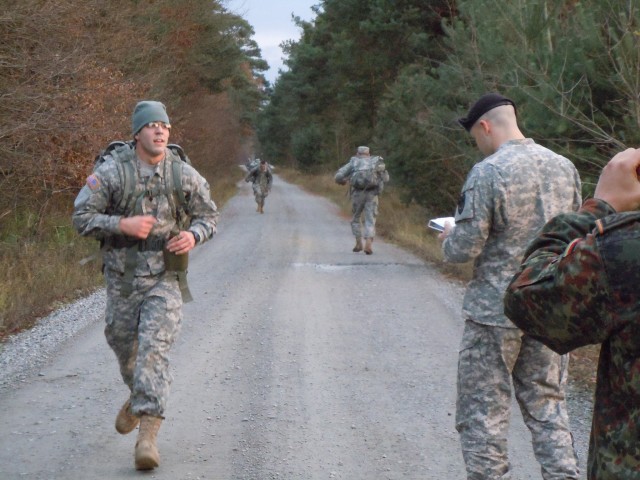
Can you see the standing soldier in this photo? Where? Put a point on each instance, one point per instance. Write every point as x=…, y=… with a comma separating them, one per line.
x=505, y=200
x=149, y=208
x=367, y=176
x=262, y=179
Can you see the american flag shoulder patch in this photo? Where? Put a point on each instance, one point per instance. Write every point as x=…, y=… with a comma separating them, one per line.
x=93, y=183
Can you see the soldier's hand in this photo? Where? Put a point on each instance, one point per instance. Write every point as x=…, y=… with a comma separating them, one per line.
x=618, y=184
x=448, y=226
x=137, y=226
x=182, y=243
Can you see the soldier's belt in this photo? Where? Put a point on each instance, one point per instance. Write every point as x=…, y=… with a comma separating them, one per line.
x=151, y=244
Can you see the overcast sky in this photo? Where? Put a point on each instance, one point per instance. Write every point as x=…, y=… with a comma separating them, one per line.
x=271, y=20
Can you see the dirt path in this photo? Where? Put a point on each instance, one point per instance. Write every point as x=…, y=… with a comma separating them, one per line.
x=298, y=360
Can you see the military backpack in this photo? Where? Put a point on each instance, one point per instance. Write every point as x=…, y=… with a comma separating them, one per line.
x=367, y=176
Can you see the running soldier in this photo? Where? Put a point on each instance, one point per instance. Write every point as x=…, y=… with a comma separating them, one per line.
x=366, y=176
x=149, y=208
x=262, y=179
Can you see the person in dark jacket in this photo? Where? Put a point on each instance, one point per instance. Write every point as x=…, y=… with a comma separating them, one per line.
x=578, y=285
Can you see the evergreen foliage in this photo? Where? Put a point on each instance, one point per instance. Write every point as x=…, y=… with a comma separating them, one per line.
x=397, y=75
x=339, y=71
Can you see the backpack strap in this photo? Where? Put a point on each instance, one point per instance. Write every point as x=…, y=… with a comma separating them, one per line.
x=180, y=208
x=128, y=177
x=177, y=149
x=176, y=170
x=122, y=153
x=131, y=259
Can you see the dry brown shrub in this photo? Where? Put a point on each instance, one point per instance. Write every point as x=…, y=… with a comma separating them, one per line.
x=73, y=73
x=62, y=98
x=70, y=75
x=209, y=127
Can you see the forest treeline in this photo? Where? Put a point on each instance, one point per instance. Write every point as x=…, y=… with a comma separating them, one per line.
x=396, y=74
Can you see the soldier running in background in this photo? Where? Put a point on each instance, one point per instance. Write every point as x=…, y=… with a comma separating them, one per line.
x=366, y=176
x=262, y=179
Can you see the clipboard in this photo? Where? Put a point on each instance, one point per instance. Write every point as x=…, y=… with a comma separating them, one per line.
x=438, y=223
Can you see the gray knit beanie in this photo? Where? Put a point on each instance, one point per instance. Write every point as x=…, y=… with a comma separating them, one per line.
x=148, y=111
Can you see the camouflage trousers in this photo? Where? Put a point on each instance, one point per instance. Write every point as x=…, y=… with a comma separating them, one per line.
x=491, y=361
x=364, y=203
x=260, y=193
x=141, y=329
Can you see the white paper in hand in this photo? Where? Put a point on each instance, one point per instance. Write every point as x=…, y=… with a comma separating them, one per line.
x=438, y=223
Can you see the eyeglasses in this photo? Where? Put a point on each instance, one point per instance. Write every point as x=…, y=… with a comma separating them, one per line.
x=162, y=125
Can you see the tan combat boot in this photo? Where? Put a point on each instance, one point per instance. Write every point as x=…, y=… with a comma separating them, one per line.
x=261, y=207
x=367, y=246
x=358, y=247
x=258, y=208
x=147, y=457
x=126, y=421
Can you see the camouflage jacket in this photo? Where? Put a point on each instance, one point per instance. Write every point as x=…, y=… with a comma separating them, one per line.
x=505, y=200
x=579, y=286
x=95, y=210
x=263, y=179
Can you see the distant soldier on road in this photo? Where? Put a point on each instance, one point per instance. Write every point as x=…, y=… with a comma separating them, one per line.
x=262, y=179
x=367, y=176
x=149, y=208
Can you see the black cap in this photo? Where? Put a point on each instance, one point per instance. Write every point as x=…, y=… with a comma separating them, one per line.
x=485, y=103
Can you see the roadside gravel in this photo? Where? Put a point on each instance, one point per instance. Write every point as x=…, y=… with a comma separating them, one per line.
x=22, y=355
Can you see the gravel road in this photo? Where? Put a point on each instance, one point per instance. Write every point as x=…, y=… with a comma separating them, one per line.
x=298, y=359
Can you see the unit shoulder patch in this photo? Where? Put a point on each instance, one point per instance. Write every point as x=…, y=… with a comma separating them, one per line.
x=461, y=202
x=93, y=182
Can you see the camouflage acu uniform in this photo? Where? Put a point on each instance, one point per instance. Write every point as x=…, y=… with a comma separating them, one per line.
x=364, y=203
x=579, y=286
x=142, y=317
x=262, y=182
x=505, y=200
